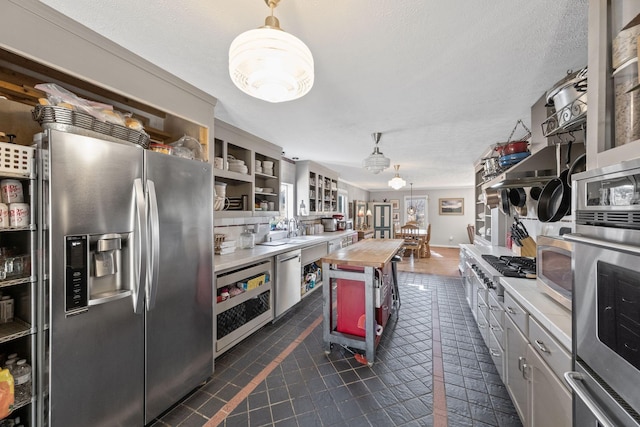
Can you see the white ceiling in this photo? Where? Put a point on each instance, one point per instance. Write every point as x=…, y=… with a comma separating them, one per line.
x=442, y=80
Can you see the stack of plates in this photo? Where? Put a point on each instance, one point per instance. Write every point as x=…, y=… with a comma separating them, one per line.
x=268, y=171
x=238, y=166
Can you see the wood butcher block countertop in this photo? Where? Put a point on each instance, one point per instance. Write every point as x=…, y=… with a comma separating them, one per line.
x=366, y=253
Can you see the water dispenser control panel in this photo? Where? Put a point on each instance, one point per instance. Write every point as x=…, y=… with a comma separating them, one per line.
x=76, y=274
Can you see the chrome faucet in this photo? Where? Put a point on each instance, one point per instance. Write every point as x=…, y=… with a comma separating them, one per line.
x=292, y=231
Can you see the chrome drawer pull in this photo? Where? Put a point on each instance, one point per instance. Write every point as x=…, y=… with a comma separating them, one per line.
x=520, y=360
x=495, y=353
x=631, y=348
x=511, y=310
x=541, y=346
x=628, y=301
x=482, y=325
x=494, y=308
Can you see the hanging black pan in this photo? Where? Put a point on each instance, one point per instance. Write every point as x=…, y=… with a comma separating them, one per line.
x=505, y=207
x=517, y=197
x=555, y=199
x=535, y=192
x=578, y=165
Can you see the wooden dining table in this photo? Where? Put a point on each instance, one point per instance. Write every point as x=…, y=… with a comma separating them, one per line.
x=422, y=234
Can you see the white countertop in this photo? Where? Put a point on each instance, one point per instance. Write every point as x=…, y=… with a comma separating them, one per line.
x=259, y=252
x=551, y=315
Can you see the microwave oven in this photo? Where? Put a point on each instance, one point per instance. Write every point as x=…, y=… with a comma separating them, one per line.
x=554, y=275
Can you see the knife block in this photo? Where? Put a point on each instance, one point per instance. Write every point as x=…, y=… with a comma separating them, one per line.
x=528, y=248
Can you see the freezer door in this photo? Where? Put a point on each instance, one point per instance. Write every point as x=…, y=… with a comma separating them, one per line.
x=97, y=345
x=179, y=325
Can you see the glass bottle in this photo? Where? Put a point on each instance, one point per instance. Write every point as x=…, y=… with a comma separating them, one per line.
x=22, y=381
x=247, y=239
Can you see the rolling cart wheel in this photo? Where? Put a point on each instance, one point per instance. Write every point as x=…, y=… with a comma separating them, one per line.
x=369, y=364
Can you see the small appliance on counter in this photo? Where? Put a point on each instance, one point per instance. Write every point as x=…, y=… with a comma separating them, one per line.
x=330, y=224
x=345, y=224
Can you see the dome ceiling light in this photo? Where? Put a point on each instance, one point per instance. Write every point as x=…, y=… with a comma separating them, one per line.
x=271, y=64
x=396, y=182
x=376, y=162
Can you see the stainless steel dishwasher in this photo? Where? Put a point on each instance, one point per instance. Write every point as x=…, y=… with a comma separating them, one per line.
x=288, y=279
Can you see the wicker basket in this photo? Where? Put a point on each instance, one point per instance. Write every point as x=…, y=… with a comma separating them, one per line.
x=72, y=121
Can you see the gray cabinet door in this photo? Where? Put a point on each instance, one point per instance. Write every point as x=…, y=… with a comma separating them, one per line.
x=516, y=349
x=550, y=400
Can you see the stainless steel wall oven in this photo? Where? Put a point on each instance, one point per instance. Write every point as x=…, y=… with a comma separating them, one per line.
x=606, y=296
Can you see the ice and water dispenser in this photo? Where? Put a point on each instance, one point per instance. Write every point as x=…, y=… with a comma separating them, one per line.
x=97, y=270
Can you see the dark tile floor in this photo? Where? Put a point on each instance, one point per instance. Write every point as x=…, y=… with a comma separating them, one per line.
x=310, y=389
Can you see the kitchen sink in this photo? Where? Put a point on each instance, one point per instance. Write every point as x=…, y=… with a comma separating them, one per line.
x=292, y=241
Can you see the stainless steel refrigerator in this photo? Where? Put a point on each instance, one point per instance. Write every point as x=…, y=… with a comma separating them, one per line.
x=127, y=238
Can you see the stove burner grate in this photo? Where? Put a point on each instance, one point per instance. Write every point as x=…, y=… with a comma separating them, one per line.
x=513, y=266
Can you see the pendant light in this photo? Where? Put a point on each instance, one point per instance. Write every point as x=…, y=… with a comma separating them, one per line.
x=271, y=64
x=411, y=210
x=396, y=182
x=376, y=162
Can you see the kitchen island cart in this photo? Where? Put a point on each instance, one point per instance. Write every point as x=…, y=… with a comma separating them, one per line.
x=366, y=262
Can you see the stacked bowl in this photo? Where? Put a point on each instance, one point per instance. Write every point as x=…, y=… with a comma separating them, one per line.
x=236, y=165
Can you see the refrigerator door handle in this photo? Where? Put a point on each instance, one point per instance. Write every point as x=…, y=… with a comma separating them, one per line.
x=140, y=252
x=154, y=264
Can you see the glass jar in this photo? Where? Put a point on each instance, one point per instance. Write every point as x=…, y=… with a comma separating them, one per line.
x=22, y=380
x=247, y=240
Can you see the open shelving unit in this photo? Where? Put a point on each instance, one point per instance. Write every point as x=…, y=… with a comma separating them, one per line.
x=240, y=315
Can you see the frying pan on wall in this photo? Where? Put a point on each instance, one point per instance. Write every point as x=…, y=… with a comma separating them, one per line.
x=555, y=199
x=535, y=192
x=505, y=207
x=517, y=197
x=578, y=165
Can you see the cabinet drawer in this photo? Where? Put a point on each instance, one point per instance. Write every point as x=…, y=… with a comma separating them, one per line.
x=496, y=310
x=496, y=351
x=313, y=253
x=496, y=327
x=483, y=325
x=549, y=349
x=516, y=313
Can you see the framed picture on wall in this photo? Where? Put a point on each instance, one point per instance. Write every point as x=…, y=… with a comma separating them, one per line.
x=395, y=204
x=396, y=216
x=451, y=206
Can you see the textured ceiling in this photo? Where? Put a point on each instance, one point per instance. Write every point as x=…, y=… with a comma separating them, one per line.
x=442, y=80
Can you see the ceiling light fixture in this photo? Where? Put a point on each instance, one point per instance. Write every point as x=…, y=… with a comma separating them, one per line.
x=396, y=182
x=269, y=63
x=376, y=162
x=411, y=210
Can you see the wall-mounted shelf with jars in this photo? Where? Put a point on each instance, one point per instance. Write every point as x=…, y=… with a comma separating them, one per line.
x=317, y=188
x=250, y=168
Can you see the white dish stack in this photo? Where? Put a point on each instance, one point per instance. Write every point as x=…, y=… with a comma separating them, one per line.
x=236, y=165
x=258, y=166
x=267, y=167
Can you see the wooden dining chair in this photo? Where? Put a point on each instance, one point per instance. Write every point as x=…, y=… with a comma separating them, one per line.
x=412, y=241
x=425, y=243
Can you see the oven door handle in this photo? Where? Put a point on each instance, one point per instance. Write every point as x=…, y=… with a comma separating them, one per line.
x=620, y=247
x=574, y=379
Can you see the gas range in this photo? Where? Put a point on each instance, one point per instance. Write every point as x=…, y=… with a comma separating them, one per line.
x=513, y=266
x=493, y=267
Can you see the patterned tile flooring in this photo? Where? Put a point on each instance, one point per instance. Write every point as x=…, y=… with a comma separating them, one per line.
x=421, y=377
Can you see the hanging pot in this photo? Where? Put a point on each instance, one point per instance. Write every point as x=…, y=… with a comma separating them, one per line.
x=555, y=199
x=517, y=197
x=491, y=197
x=512, y=148
x=578, y=165
x=504, y=205
x=534, y=193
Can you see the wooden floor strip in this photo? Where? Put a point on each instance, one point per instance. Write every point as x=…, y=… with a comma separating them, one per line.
x=223, y=413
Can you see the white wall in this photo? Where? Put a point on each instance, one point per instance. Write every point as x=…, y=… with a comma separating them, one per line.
x=446, y=230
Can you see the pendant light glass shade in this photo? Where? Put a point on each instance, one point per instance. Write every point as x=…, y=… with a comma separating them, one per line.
x=411, y=210
x=376, y=162
x=396, y=182
x=271, y=64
